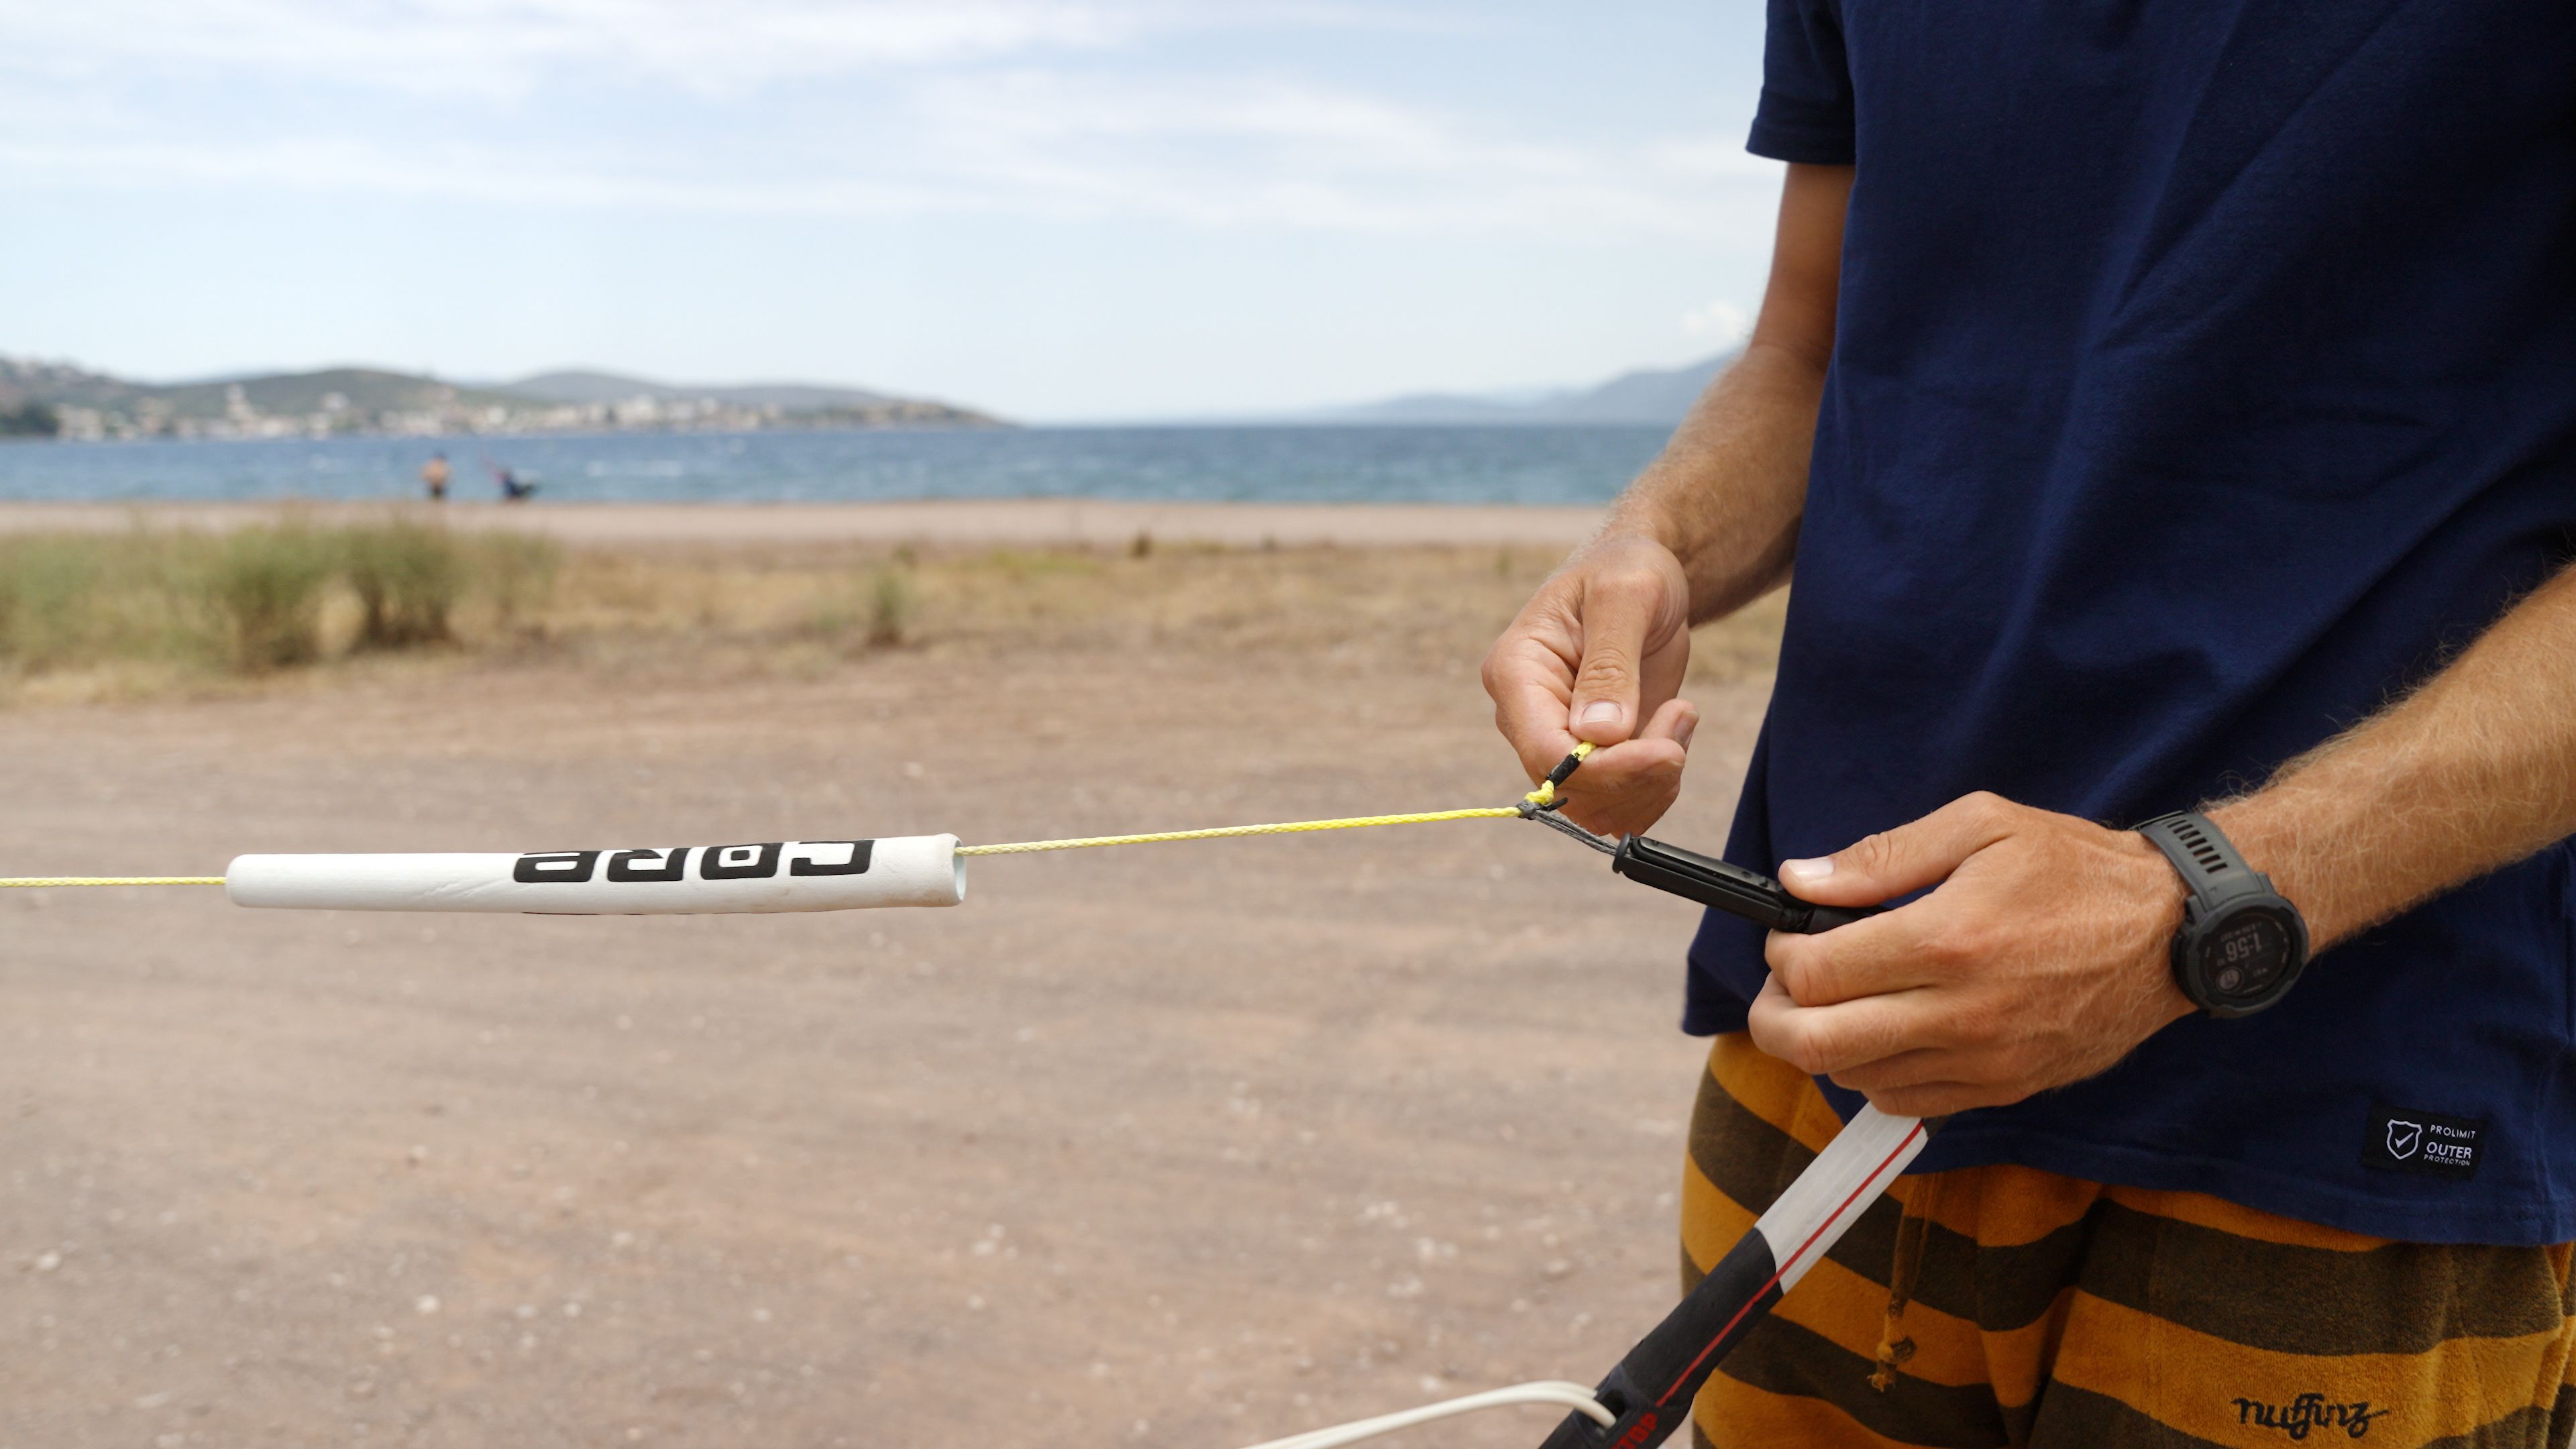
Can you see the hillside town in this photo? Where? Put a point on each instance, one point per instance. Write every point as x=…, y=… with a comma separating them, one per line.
x=65, y=402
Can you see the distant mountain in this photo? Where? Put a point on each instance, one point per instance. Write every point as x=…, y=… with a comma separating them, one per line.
x=1648, y=395
x=1658, y=396
x=27, y=382
x=581, y=386
x=1438, y=407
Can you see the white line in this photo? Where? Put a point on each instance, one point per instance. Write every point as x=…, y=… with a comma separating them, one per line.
x=1548, y=1391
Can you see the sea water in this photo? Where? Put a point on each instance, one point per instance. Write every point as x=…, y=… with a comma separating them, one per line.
x=1528, y=463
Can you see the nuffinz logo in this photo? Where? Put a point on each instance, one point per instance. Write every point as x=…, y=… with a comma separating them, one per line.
x=715, y=862
x=2307, y=1412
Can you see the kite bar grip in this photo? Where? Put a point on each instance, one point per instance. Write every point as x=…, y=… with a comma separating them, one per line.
x=778, y=875
x=1729, y=888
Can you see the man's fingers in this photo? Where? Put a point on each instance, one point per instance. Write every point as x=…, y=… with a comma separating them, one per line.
x=1677, y=721
x=1913, y=1068
x=1938, y=1099
x=1617, y=791
x=1869, y=1046
x=1823, y=1040
x=1908, y=858
x=1868, y=957
x=1626, y=788
x=1625, y=613
x=1531, y=683
x=1626, y=777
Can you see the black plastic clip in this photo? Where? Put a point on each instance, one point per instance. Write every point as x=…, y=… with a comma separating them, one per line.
x=1730, y=888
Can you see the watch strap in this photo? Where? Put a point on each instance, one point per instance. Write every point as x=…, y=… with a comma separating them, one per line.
x=2207, y=862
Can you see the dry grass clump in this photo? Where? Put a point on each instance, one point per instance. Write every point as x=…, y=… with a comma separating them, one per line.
x=870, y=609
x=889, y=608
x=407, y=577
x=262, y=587
x=171, y=606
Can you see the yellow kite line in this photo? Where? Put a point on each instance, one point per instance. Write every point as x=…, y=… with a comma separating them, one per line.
x=1544, y=795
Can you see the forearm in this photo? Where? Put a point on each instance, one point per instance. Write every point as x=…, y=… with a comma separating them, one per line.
x=2473, y=771
x=1726, y=493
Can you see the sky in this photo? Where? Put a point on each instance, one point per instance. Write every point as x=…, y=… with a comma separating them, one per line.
x=1085, y=210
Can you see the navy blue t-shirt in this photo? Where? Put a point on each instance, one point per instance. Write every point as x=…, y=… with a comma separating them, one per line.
x=2203, y=374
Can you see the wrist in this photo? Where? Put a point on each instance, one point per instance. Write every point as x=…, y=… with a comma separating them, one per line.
x=2265, y=828
x=1636, y=521
x=2162, y=896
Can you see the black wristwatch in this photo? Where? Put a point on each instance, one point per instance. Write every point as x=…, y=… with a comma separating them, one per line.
x=2241, y=946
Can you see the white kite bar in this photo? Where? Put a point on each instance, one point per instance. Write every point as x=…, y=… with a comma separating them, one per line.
x=791, y=875
x=1812, y=1213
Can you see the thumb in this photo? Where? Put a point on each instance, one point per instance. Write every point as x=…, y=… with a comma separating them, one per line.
x=1623, y=613
x=1914, y=855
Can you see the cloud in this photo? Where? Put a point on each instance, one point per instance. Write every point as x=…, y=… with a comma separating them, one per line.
x=1720, y=321
x=508, y=45
x=353, y=165
x=822, y=107
x=1263, y=150
x=511, y=46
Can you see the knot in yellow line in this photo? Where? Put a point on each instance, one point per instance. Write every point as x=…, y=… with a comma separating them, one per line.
x=1545, y=795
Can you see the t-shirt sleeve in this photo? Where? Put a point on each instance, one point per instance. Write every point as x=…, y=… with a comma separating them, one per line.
x=1806, y=110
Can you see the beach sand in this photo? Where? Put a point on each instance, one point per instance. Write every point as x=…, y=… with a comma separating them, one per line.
x=1185, y=1145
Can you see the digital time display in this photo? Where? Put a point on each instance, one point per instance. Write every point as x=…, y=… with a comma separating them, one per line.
x=2247, y=957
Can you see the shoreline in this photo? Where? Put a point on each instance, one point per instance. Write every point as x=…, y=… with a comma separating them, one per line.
x=1070, y=521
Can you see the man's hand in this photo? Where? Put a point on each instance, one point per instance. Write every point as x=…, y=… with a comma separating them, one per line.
x=2040, y=959
x=1600, y=648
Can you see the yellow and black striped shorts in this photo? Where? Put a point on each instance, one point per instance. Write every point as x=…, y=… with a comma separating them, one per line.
x=2009, y=1306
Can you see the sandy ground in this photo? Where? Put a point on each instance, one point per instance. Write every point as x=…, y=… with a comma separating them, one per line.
x=950, y=521
x=1184, y=1145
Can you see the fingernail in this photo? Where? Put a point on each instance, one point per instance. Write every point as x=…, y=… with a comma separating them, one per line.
x=1682, y=736
x=1600, y=711
x=1807, y=872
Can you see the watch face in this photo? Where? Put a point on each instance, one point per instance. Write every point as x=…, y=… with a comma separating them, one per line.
x=2245, y=957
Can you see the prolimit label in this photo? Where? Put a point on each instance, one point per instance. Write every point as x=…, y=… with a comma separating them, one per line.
x=2430, y=1144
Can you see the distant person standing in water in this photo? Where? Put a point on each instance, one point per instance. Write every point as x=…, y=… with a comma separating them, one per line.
x=433, y=477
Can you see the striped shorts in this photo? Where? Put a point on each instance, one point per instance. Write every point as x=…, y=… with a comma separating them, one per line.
x=2008, y=1306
